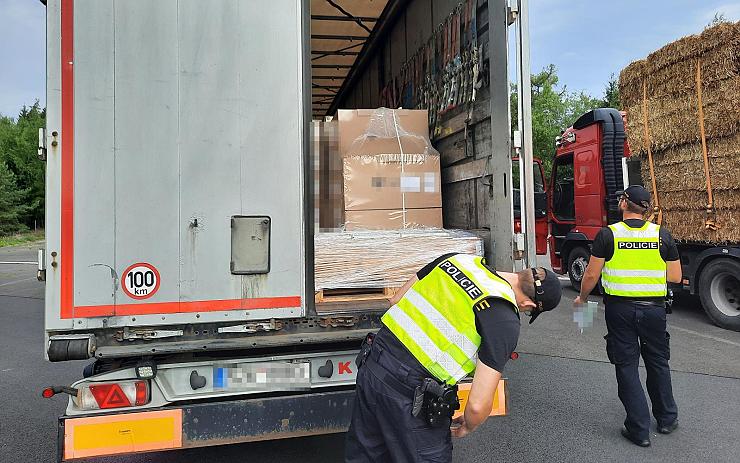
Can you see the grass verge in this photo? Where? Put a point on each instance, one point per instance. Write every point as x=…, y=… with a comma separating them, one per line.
x=21, y=238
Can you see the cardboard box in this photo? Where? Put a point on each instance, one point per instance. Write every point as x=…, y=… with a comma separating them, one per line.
x=327, y=164
x=354, y=125
x=383, y=181
x=393, y=219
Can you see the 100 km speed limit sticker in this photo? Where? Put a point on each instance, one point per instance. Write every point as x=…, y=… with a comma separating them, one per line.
x=140, y=281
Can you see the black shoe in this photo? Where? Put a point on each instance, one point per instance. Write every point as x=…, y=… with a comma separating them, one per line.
x=669, y=428
x=642, y=443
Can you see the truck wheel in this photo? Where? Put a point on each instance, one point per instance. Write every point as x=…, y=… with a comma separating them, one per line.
x=719, y=291
x=577, y=263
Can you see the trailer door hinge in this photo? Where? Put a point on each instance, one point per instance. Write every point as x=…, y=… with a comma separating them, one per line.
x=272, y=325
x=513, y=13
x=41, y=152
x=337, y=322
x=41, y=272
x=128, y=334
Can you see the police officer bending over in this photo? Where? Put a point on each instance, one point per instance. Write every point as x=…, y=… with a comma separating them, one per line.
x=635, y=258
x=455, y=317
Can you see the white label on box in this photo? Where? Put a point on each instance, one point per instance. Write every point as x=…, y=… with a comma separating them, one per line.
x=430, y=185
x=411, y=184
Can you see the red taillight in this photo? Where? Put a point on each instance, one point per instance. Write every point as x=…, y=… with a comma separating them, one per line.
x=110, y=396
x=114, y=395
x=47, y=393
x=142, y=393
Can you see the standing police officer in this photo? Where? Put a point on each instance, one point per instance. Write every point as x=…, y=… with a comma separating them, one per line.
x=635, y=258
x=455, y=317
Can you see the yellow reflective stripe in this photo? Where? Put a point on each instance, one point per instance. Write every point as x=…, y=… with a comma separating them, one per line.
x=634, y=273
x=634, y=287
x=453, y=335
x=620, y=230
x=433, y=331
x=424, y=342
x=634, y=280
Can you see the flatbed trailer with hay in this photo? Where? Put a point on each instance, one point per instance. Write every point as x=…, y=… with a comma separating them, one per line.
x=680, y=137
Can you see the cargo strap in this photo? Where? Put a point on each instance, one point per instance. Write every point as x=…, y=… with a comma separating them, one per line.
x=403, y=161
x=710, y=218
x=656, y=202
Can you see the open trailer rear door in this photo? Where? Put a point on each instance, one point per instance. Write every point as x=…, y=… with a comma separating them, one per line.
x=175, y=181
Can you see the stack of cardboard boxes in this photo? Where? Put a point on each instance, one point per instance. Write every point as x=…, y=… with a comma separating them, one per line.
x=380, y=203
x=390, y=171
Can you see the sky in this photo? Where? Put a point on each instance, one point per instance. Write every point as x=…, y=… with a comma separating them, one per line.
x=587, y=40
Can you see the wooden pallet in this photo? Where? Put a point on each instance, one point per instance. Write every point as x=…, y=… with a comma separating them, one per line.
x=354, y=294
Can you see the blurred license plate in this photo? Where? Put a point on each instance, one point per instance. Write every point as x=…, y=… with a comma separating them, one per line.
x=264, y=375
x=500, y=399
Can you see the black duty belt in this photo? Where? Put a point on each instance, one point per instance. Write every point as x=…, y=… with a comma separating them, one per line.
x=434, y=401
x=392, y=372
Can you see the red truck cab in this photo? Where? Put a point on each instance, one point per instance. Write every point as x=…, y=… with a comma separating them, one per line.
x=588, y=169
x=592, y=162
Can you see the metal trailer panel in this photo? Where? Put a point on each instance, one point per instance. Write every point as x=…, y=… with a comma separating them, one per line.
x=210, y=150
x=500, y=213
x=271, y=124
x=94, y=92
x=52, y=296
x=161, y=114
x=147, y=167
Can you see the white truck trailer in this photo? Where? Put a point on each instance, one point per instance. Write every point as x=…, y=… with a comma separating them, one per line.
x=179, y=246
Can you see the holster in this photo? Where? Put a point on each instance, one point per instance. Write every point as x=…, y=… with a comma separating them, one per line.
x=669, y=301
x=437, y=401
x=367, y=345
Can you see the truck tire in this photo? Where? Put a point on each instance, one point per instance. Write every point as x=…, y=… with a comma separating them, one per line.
x=577, y=263
x=719, y=292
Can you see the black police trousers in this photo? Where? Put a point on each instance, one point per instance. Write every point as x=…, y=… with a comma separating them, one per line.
x=636, y=328
x=382, y=427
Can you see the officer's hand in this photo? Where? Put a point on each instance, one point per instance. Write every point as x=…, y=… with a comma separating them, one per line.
x=458, y=428
x=577, y=300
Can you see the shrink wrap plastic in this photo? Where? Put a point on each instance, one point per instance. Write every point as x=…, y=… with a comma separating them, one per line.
x=383, y=258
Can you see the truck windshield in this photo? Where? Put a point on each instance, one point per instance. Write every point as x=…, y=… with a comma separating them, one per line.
x=539, y=182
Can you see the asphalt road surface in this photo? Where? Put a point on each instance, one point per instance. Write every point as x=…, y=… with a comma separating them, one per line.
x=563, y=396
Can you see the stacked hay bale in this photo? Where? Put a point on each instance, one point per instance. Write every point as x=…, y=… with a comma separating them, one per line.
x=668, y=78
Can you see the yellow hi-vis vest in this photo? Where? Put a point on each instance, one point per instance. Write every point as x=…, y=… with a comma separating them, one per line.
x=636, y=269
x=435, y=318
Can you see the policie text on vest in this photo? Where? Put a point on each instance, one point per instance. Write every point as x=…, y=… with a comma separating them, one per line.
x=638, y=245
x=459, y=277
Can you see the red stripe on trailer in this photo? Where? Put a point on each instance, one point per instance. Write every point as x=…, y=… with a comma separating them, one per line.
x=154, y=308
x=66, y=257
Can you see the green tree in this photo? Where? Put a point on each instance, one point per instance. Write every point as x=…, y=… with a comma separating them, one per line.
x=12, y=208
x=553, y=109
x=18, y=146
x=611, y=94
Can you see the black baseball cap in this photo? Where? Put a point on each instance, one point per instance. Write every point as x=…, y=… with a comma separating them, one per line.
x=637, y=195
x=547, y=293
